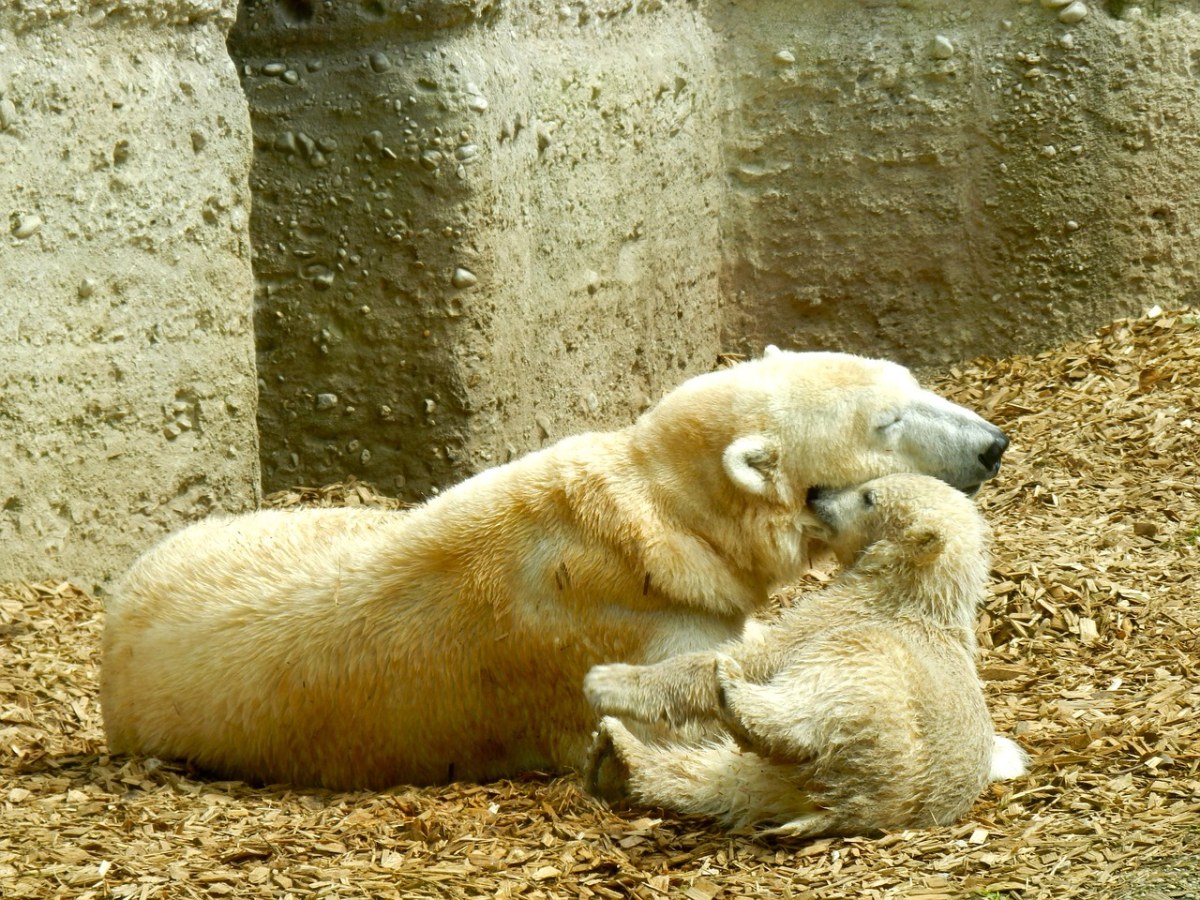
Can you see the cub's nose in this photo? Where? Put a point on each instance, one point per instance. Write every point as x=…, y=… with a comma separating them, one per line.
x=990, y=458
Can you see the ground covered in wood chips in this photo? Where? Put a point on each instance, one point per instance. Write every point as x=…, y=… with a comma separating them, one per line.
x=1091, y=653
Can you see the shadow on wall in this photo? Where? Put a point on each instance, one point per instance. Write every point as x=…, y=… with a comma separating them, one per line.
x=475, y=230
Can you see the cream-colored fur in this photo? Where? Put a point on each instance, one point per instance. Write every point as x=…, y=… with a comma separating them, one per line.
x=353, y=648
x=858, y=710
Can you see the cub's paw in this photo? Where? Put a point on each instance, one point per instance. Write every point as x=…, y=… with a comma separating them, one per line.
x=729, y=678
x=612, y=689
x=727, y=669
x=608, y=767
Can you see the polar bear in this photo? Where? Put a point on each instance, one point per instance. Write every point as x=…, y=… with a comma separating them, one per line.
x=858, y=710
x=353, y=648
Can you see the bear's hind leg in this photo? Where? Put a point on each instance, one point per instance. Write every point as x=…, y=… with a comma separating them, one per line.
x=769, y=719
x=607, y=767
x=710, y=779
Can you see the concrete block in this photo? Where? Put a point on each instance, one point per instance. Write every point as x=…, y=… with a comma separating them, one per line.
x=931, y=181
x=127, y=388
x=477, y=229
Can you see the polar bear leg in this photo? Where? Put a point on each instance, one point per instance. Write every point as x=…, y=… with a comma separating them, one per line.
x=710, y=779
x=765, y=718
x=675, y=690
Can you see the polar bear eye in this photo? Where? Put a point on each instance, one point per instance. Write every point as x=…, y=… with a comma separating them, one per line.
x=890, y=422
x=868, y=498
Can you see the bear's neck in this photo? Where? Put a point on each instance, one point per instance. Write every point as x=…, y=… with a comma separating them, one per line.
x=939, y=595
x=649, y=514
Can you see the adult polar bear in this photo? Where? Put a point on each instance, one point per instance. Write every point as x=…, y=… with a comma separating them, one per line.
x=353, y=648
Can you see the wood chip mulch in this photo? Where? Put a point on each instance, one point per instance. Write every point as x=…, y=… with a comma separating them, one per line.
x=1091, y=651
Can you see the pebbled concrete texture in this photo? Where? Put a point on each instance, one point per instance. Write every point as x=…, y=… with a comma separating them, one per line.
x=480, y=225
x=931, y=181
x=476, y=230
x=127, y=389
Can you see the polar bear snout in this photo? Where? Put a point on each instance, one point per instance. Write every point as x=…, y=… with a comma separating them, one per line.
x=813, y=495
x=990, y=458
x=989, y=462
x=939, y=438
x=818, y=500
x=835, y=508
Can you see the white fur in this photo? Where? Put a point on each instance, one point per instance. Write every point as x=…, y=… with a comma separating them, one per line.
x=859, y=710
x=354, y=648
x=1009, y=760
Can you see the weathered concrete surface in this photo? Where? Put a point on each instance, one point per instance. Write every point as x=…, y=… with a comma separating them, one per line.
x=482, y=225
x=476, y=229
x=127, y=389
x=931, y=181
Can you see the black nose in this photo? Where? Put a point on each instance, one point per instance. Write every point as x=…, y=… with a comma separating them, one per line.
x=990, y=458
x=814, y=494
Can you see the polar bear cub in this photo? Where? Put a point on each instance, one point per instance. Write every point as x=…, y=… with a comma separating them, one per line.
x=858, y=710
x=352, y=648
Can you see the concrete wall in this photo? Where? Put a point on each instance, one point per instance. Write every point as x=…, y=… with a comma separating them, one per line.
x=126, y=352
x=482, y=226
x=479, y=226
x=932, y=180
x=476, y=230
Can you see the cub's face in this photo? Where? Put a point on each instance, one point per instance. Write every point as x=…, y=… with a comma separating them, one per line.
x=921, y=516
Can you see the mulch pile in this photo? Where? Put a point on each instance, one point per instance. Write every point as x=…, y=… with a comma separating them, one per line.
x=1091, y=651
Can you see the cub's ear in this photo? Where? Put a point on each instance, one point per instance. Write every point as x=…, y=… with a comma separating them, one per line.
x=925, y=545
x=752, y=464
x=771, y=350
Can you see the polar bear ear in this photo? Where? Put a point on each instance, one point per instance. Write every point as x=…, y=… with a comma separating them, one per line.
x=771, y=350
x=752, y=463
x=926, y=545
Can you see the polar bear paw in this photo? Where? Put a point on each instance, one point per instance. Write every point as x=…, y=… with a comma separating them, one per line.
x=608, y=770
x=612, y=689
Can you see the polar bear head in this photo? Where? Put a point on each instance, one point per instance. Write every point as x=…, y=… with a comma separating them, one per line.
x=737, y=450
x=833, y=419
x=792, y=421
x=921, y=544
